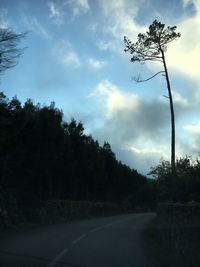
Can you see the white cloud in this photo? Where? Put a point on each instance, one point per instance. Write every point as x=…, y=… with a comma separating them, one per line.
x=66, y=11
x=71, y=58
x=106, y=45
x=79, y=6
x=93, y=27
x=180, y=100
x=113, y=97
x=187, y=2
x=66, y=54
x=96, y=64
x=119, y=21
x=4, y=22
x=184, y=55
x=117, y=7
x=55, y=13
x=135, y=159
x=34, y=25
x=193, y=128
x=191, y=141
x=149, y=150
x=127, y=110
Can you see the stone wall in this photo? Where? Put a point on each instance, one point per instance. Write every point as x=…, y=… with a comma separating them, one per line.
x=66, y=210
x=179, y=227
x=53, y=211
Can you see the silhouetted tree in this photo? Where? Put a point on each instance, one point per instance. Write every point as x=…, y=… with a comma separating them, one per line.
x=183, y=186
x=43, y=157
x=151, y=46
x=9, y=52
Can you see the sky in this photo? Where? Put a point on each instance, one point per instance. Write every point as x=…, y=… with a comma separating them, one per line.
x=75, y=57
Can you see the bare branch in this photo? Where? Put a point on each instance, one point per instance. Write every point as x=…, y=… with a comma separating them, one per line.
x=9, y=52
x=166, y=96
x=139, y=80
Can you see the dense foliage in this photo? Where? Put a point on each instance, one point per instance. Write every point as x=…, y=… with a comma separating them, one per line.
x=182, y=186
x=43, y=157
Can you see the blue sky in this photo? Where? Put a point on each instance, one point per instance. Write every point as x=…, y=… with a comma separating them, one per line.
x=75, y=57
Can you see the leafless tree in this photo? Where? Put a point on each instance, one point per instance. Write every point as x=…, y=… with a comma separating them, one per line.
x=9, y=52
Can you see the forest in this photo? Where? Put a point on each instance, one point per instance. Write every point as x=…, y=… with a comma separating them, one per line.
x=44, y=157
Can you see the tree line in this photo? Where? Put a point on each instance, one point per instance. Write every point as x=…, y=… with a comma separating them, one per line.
x=44, y=157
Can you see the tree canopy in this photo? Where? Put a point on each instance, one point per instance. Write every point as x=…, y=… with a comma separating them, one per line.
x=151, y=44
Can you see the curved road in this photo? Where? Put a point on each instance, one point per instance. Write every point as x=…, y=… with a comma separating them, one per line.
x=115, y=241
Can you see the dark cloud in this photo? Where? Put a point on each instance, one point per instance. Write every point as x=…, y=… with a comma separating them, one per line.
x=148, y=121
x=139, y=132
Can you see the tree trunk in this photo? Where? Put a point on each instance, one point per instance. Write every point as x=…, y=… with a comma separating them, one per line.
x=172, y=114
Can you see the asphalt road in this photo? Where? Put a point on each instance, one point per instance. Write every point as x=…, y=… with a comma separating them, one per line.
x=115, y=241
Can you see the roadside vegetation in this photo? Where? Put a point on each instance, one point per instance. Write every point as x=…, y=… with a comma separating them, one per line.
x=173, y=238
